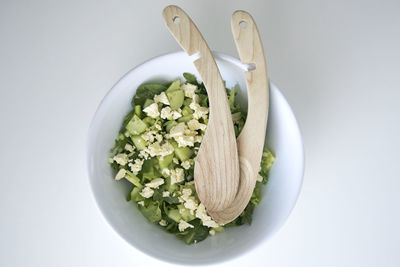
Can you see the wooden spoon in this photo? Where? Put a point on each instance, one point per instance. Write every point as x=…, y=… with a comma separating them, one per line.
x=251, y=139
x=216, y=171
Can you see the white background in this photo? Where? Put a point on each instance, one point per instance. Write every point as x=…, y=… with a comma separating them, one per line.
x=337, y=62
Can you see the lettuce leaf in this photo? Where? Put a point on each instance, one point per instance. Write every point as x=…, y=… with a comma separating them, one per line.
x=147, y=91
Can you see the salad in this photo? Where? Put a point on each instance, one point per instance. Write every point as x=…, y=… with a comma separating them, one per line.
x=156, y=150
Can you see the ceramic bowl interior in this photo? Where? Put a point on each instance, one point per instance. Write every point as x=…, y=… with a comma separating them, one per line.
x=279, y=195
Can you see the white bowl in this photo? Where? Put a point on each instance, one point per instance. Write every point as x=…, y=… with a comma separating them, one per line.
x=279, y=196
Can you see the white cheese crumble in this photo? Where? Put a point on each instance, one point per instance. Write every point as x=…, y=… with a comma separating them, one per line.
x=177, y=176
x=129, y=148
x=185, y=140
x=152, y=110
x=166, y=172
x=143, y=154
x=165, y=194
x=186, y=164
x=189, y=89
x=211, y=232
x=147, y=192
x=136, y=167
x=175, y=160
x=162, y=222
x=184, y=225
x=205, y=219
x=259, y=178
x=155, y=183
x=169, y=114
x=160, y=150
x=196, y=125
x=141, y=203
x=121, y=159
x=161, y=98
x=191, y=204
x=121, y=174
x=177, y=130
x=182, y=135
x=199, y=111
x=149, y=136
x=157, y=126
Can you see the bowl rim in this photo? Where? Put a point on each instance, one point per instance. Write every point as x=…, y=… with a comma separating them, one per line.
x=147, y=252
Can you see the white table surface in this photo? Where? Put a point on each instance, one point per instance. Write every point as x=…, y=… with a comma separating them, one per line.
x=337, y=62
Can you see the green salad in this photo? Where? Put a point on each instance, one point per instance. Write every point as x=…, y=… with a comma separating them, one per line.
x=156, y=150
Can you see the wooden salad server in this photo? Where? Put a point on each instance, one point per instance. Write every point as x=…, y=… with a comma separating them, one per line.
x=216, y=171
x=251, y=139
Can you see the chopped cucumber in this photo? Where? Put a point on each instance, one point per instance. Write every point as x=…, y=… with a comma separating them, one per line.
x=136, y=126
x=174, y=85
x=185, y=118
x=165, y=161
x=185, y=213
x=174, y=215
x=183, y=153
x=176, y=98
x=169, y=124
x=139, y=142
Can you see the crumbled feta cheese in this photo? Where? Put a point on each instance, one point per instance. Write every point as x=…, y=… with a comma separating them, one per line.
x=199, y=111
x=190, y=204
x=182, y=135
x=129, y=148
x=166, y=172
x=198, y=139
x=259, y=178
x=159, y=138
x=160, y=150
x=165, y=194
x=141, y=203
x=186, y=164
x=161, y=98
x=175, y=160
x=177, y=176
x=121, y=159
x=196, y=125
x=143, y=154
x=136, y=167
x=152, y=110
x=121, y=174
x=162, y=222
x=169, y=114
x=147, y=192
x=186, y=192
x=183, y=225
x=155, y=183
x=211, y=232
x=189, y=89
x=177, y=130
x=205, y=219
x=157, y=126
x=185, y=140
x=148, y=136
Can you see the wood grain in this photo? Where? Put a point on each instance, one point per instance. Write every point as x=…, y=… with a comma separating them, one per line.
x=216, y=172
x=251, y=139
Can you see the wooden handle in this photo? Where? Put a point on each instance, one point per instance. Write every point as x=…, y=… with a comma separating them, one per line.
x=216, y=171
x=189, y=37
x=251, y=139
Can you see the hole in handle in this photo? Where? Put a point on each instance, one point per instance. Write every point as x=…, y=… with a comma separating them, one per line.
x=243, y=24
x=176, y=19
